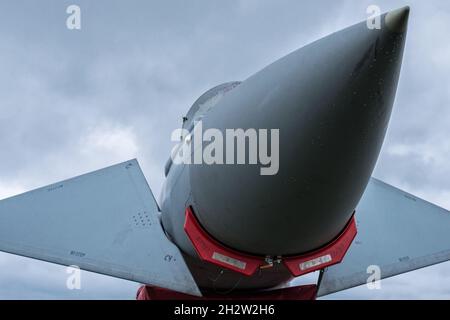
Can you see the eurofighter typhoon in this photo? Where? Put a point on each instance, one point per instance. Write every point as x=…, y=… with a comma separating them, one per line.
x=271, y=180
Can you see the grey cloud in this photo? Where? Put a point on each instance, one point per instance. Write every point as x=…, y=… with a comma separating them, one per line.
x=135, y=68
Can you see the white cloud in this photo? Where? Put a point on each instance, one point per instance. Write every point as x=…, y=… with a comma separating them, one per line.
x=111, y=142
x=10, y=189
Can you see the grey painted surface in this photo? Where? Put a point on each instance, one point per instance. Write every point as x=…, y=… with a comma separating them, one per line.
x=397, y=232
x=106, y=221
x=331, y=101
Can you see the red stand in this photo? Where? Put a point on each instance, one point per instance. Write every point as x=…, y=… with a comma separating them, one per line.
x=307, y=292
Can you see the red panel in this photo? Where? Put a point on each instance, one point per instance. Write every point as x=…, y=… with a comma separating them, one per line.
x=307, y=292
x=212, y=251
x=327, y=256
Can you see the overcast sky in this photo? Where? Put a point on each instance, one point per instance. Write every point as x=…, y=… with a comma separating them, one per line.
x=72, y=101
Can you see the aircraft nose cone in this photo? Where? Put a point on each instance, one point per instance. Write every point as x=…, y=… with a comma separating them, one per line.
x=331, y=102
x=397, y=20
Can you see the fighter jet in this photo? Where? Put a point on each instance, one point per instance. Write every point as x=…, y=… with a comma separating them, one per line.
x=235, y=230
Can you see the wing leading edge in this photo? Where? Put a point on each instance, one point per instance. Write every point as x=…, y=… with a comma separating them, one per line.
x=397, y=232
x=105, y=221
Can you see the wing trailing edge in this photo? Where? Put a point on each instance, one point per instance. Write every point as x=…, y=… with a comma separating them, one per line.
x=105, y=221
x=397, y=232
